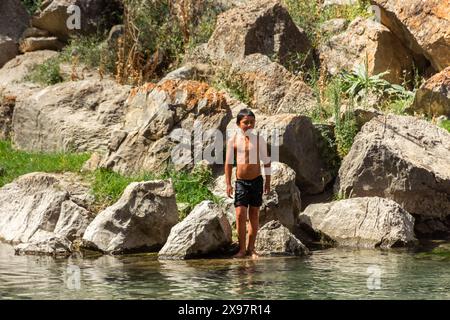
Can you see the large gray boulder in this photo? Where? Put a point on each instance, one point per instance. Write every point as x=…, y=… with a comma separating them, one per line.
x=14, y=19
x=271, y=88
x=366, y=222
x=367, y=39
x=55, y=18
x=283, y=203
x=422, y=26
x=298, y=148
x=139, y=221
x=274, y=239
x=433, y=97
x=71, y=116
x=401, y=158
x=261, y=26
x=13, y=88
x=38, y=208
x=159, y=125
x=45, y=243
x=205, y=230
x=14, y=72
x=8, y=49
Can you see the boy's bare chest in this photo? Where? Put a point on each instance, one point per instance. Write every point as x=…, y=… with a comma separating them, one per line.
x=246, y=144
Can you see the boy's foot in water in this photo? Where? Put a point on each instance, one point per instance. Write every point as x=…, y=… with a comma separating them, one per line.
x=239, y=255
x=253, y=254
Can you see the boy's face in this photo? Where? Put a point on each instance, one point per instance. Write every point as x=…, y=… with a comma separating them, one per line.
x=247, y=122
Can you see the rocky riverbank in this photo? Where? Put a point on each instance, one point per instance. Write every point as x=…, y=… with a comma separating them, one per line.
x=379, y=178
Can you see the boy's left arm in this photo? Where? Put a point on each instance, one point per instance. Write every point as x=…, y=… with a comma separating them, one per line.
x=265, y=158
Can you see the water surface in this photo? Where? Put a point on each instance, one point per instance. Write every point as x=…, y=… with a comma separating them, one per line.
x=327, y=274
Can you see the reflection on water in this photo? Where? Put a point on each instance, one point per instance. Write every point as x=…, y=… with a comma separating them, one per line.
x=327, y=274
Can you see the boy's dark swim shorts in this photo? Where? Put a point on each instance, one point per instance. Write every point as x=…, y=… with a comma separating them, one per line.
x=248, y=192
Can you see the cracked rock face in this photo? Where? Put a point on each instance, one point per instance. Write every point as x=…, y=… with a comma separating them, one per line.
x=274, y=239
x=421, y=25
x=401, y=158
x=204, y=231
x=261, y=26
x=161, y=119
x=367, y=39
x=433, y=97
x=44, y=213
x=139, y=221
x=366, y=222
x=41, y=123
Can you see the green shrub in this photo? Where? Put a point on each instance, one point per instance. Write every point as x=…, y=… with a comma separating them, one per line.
x=327, y=146
x=192, y=187
x=359, y=84
x=225, y=79
x=31, y=5
x=47, y=73
x=345, y=128
x=345, y=134
x=159, y=32
x=86, y=48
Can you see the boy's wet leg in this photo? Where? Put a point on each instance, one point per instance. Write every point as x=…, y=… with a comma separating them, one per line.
x=253, y=213
x=241, y=222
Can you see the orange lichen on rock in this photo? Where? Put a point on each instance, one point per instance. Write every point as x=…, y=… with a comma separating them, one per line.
x=145, y=88
x=440, y=79
x=195, y=90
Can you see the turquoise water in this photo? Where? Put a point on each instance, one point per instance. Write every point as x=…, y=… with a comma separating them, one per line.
x=326, y=274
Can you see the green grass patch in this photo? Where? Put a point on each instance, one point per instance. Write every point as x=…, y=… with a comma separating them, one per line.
x=107, y=187
x=445, y=124
x=14, y=163
x=191, y=188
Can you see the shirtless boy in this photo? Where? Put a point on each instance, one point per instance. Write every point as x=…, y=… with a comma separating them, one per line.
x=249, y=149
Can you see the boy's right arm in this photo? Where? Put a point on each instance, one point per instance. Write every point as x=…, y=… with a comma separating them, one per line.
x=229, y=159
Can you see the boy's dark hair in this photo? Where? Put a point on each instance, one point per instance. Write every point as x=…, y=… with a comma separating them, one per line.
x=243, y=113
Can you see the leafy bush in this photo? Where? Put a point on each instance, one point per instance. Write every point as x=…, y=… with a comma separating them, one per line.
x=86, y=48
x=345, y=128
x=192, y=187
x=47, y=73
x=158, y=32
x=359, y=83
x=225, y=79
x=327, y=146
x=31, y=5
